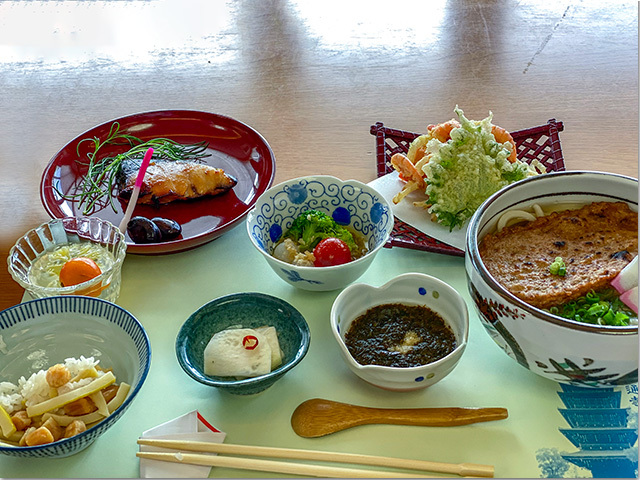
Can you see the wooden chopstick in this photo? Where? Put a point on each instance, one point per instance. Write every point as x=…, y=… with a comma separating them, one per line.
x=462, y=469
x=293, y=468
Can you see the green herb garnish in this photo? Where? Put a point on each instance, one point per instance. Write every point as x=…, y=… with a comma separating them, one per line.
x=100, y=179
x=558, y=267
x=602, y=308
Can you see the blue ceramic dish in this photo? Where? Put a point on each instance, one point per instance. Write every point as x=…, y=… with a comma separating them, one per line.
x=350, y=203
x=61, y=327
x=250, y=310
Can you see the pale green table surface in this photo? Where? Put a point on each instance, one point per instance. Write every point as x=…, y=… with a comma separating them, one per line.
x=162, y=291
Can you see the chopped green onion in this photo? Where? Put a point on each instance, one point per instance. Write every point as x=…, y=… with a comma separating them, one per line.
x=601, y=308
x=621, y=319
x=558, y=267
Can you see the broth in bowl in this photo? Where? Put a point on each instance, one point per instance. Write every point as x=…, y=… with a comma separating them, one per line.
x=564, y=259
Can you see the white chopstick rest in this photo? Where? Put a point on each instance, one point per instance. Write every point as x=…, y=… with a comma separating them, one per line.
x=188, y=427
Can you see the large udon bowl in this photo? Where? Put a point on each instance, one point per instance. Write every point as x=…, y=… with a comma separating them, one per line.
x=562, y=350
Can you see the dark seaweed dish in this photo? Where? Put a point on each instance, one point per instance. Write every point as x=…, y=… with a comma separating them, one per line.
x=397, y=335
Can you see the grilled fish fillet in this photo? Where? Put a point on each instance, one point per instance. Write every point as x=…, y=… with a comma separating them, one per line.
x=596, y=242
x=166, y=181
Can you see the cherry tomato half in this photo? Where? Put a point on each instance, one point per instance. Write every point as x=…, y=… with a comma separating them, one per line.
x=331, y=251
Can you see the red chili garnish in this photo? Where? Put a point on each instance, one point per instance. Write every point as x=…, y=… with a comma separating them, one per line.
x=250, y=342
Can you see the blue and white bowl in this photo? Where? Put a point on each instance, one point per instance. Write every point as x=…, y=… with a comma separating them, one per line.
x=350, y=203
x=40, y=333
x=406, y=289
x=556, y=348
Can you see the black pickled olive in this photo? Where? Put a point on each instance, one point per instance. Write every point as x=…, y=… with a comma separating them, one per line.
x=143, y=230
x=169, y=229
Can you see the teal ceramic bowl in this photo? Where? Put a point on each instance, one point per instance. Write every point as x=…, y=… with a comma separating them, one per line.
x=250, y=310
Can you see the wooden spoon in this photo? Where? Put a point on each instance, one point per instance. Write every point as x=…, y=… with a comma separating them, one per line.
x=318, y=417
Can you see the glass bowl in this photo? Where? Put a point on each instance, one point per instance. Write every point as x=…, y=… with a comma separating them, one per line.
x=64, y=231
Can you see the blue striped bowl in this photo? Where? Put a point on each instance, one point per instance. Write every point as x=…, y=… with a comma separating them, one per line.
x=37, y=334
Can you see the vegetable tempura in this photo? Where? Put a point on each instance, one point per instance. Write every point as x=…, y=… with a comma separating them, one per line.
x=459, y=165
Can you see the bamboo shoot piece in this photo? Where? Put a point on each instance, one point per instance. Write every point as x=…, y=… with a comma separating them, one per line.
x=93, y=417
x=61, y=400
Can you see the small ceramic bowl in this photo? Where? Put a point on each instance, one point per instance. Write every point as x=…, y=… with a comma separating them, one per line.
x=559, y=349
x=350, y=203
x=250, y=310
x=40, y=333
x=406, y=289
x=62, y=231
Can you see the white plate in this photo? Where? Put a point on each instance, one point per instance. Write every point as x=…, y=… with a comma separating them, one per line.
x=389, y=185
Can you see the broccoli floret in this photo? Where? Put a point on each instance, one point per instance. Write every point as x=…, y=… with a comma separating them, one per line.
x=312, y=226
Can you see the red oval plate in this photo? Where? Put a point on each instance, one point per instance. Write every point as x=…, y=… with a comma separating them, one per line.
x=235, y=147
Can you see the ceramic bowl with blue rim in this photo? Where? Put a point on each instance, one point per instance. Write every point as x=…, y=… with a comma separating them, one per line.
x=350, y=203
x=405, y=289
x=40, y=333
x=556, y=348
x=246, y=310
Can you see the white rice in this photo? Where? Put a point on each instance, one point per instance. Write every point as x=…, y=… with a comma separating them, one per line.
x=35, y=389
x=10, y=399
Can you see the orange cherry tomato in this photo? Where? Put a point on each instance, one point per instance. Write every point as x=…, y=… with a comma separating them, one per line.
x=78, y=270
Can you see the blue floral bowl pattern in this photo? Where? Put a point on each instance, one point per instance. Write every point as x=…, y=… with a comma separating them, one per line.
x=60, y=327
x=350, y=203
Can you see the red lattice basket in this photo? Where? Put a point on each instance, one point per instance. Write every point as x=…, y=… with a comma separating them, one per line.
x=541, y=143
